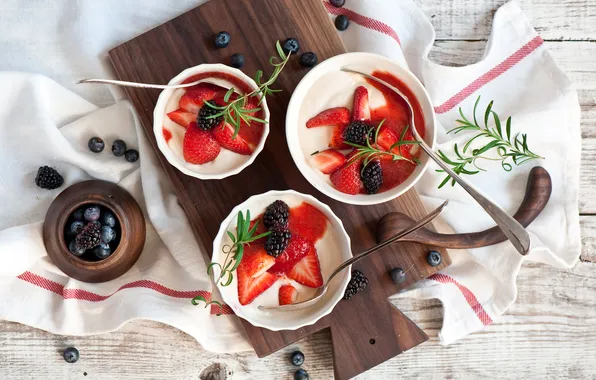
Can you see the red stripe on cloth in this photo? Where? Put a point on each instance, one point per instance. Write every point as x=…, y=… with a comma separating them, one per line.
x=495, y=72
x=468, y=295
x=224, y=309
x=364, y=21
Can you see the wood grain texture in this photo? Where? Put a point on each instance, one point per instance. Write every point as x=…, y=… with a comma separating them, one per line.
x=163, y=52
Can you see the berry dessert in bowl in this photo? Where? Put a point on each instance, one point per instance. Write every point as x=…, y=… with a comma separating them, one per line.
x=275, y=249
x=350, y=136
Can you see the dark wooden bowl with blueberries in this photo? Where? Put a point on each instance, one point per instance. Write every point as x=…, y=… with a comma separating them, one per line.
x=94, y=231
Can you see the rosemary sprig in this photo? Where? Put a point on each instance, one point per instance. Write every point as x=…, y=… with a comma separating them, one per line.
x=195, y=301
x=370, y=151
x=507, y=149
x=236, y=112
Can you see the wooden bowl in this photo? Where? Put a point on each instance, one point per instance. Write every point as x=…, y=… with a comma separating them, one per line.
x=130, y=219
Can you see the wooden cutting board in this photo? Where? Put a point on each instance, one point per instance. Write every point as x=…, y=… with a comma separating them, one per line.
x=366, y=330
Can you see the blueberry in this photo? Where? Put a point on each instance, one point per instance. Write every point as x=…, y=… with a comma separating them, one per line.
x=76, y=227
x=119, y=148
x=79, y=215
x=71, y=355
x=108, y=219
x=107, y=234
x=291, y=45
x=309, y=59
x=434, y=258
x=102, y=251
x=96, y=144
x=297, y=358
x=301, y=375
x=131, y=155
x=398, y=275
x=222, y=39
x=342, y=22
x=92, y=214
x=75, y=249
x=337, y=3
x=237, y=60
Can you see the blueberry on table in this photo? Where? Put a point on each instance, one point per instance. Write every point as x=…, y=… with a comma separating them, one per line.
x=102, y=251
x=107, y=234
x=309, y=59
x=398, y=275
x=337, y=3
x=300, y=375
x=107, y=219
x=75, y=249
x=71, y=355
x=92, y=214
x=434, y=258
x=119, y=148
x=222, y=39
x=291, y=45
x=342, y=22
x=131, y=155
x=96, y=144
x=297, y=358
x=79, y=214
x=237, y=60
x=76, y=227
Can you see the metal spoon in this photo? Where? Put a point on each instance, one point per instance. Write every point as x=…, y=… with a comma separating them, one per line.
x=323, y=290
x=514, y=231
x=145, y=85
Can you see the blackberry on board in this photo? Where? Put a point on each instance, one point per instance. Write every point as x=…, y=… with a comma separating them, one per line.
x=276, y=215
x=372, y=177
x=48, y=178
x=357, y=132
x=90, y=237
x=202, y=120
x=277, y=242
x=357, y=283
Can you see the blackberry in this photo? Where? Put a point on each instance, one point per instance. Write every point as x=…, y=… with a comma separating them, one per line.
x=71, y=355
x=372, y=177
x=48, y=178
x=277, y=242
x=237, y=60
x=90, y=237
x=222, y=39
x=357, y=284
x=342, y=22
x=309, y=59
x=291, y=45
x=357, y=132
x=119, y=148
x=276, y=215
x=208, y=124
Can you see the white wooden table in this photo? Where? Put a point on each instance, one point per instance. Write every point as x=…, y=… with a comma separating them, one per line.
x=550, y=332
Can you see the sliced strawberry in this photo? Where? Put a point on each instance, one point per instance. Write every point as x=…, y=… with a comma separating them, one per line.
x=361, y=108
x=387, y=138
x=287, y=294
x=296, y=250
x=394, y=172
x=308, y=270
x=307, y=221
x=337, y=138
x=332, y=116
x=199, y=146
x=328, y=160
x=347, y=178
x=194, y=98
x=249, y=287
x=225, y=137
x=255, y=261
x=182, y=117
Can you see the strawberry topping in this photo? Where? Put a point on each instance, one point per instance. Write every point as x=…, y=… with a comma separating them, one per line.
x=337, y=138
x=296, y=250
x=182, y=117
x=194, y=98
x=250, y=288
x=361, y=108
x=307, y=221
x=199, y=146
x=332, y=116
x=255, y=261
x=347, y=178
x=308, y=270
x=224, y=136
x=287, y=294
x=328, y=160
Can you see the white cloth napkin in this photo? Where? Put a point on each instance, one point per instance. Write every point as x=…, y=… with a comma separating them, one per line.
x=42, y=123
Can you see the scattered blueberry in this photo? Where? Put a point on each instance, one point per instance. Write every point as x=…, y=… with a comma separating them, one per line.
x=131, y=155
x=337, y=3
x=434, y=258
x=222, y=39
x=102, y=251
x=107, y=219
x=119, y=148
x=291, y=45
x=309, y=59
x=76, y=227
x=301, y=375
x=398, y=275
x=297, y=358
x=96, y=144
x=79, y=215
x=75, y=249
x=342, y=22
x=92, y=214
x=107, y=234
x=71, y=355
x=237, y=60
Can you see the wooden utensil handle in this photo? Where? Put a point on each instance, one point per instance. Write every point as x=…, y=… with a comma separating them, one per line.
x=538, y=192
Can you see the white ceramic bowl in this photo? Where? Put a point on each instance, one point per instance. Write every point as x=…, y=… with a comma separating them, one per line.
x=227, y=163
x=333, y=249
x=325, y=87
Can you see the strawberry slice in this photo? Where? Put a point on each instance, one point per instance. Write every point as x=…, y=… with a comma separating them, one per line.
x=361, y=108
x=308, y=270
x=255, y=261
x=332, y=116
x=328, y=160
x=194, y=98
x=199, y=146
x=296, y=250
x=224, y=136
x=182, y=117
x=337, y=138
x=387, y=138
x=249, y=287
x=287, y=294
x=347, y=178
x=307, y=221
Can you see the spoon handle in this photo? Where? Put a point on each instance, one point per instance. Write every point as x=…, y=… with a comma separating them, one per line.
x=136, y=84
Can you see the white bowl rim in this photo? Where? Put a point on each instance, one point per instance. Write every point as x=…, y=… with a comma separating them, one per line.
x=334, y=299
x=159, y=115
x=294, y=145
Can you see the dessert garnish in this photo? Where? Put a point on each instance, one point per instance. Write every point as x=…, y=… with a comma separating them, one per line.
x=357, y=283
x=92, y=233
x=287, y=295
x=48, y=178
x=507, y=148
